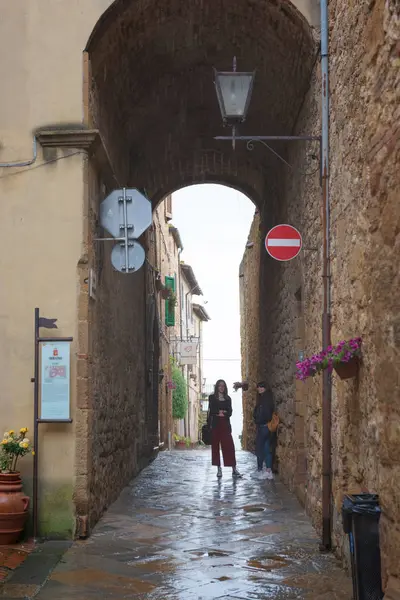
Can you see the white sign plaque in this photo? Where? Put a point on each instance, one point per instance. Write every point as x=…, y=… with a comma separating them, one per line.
x=55, y=381
x=188, y=352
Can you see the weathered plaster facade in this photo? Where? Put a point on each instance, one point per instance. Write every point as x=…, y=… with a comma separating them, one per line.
x=189, y=290
x=165, y=254
x=43, y=207
x=200, y=317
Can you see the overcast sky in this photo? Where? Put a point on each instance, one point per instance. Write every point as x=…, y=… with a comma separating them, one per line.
x=214, y=223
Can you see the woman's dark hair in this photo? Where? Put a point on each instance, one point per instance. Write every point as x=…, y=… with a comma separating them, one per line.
x=216, y=390
x=267, y=396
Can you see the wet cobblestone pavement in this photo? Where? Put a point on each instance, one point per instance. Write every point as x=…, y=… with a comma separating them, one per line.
x=178, y=533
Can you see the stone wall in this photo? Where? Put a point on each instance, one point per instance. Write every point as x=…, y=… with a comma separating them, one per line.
x=364, y=193
x=249, y=327
x=116, y=423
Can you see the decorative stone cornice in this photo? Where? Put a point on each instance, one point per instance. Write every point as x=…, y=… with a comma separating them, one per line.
x=88, y=140
x=84, y=139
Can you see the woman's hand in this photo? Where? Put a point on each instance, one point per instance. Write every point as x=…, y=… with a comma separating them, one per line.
x=221, y=413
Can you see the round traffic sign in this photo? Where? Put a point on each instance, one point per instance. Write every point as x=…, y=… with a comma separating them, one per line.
x=283, y=242
x=136, y=257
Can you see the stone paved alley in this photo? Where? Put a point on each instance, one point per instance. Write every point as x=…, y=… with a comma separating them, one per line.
x=178, y=533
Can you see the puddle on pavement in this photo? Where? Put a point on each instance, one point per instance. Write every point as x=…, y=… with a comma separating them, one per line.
x=254, y=509
x=209, y=553
x=159, y=564
x=268, y=562
x=216, y=553
x=155, y=566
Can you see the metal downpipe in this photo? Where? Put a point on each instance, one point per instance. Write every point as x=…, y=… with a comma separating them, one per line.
x=326, y=543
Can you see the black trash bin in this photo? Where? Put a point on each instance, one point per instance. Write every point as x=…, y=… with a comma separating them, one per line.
x=361, y=514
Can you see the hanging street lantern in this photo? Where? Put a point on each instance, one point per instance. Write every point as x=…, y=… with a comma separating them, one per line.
x=234, y=91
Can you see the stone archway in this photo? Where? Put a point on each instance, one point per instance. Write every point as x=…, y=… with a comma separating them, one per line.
x=151, y=89
x=150, y=95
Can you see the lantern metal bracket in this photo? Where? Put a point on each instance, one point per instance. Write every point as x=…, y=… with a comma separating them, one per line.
x=263, y=139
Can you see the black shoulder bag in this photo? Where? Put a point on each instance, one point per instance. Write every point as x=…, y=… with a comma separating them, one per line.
x=206, y=429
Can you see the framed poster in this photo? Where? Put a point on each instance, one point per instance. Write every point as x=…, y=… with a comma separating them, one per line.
x=55, y=381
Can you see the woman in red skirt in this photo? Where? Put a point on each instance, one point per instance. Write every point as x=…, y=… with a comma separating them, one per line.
x=219, y=413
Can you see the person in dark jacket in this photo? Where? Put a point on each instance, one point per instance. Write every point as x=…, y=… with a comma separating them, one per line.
x=262, y=414
x=219, y=413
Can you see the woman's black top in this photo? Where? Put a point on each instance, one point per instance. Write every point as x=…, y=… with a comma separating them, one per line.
x=214, y=406
x=264, y=409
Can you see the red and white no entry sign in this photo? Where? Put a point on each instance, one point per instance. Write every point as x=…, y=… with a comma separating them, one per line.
x=283, y=242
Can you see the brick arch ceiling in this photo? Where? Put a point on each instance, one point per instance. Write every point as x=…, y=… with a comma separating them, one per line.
x=152, y=94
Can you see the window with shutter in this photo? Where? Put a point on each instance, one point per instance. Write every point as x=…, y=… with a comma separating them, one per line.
x=169, y=304
x=168, y=208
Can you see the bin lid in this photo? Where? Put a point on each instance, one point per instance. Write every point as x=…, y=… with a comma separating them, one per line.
x=362, y=504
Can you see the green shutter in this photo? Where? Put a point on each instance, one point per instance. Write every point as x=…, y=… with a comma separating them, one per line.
x=169, y=307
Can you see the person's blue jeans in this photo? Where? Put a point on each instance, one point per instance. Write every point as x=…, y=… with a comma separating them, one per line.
x=264, y=447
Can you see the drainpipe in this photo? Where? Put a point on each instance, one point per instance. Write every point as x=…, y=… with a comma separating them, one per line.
x=200, y=370
x=179, y=285
x=26, y=163
x=188, y=396
x=326, y=316
x=180, y=300
x=185, y=420
x=187, y=368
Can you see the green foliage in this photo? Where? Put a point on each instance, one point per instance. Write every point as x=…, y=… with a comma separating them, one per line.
x=13, y=446
x=172, y=300
x=179, y=394
x=181, y=438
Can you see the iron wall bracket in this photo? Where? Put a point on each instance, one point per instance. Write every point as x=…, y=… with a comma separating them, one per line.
x=264, y=139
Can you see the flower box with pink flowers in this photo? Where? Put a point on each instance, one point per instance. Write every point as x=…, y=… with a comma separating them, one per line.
x=344, y=358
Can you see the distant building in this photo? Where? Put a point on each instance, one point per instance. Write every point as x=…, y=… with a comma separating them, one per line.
x=167, y=249
x=180, y=325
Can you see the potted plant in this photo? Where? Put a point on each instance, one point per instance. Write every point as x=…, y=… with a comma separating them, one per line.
x=13, y=503
x=182, y=442
x=344, y=358
x=172, y=298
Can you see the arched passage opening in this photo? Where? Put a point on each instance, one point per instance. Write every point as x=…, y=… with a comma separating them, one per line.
x=150, y=94
x=199, y=233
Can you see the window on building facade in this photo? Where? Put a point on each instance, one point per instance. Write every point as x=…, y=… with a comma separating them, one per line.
x=168, y=207
x=170, y=304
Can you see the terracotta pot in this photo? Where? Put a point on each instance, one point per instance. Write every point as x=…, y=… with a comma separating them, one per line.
x=11, y=527
x=13, y=508
x=180, y=445
x=349, y=369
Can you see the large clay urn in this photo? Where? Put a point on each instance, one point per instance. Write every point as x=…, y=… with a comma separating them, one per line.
x=13, y=508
